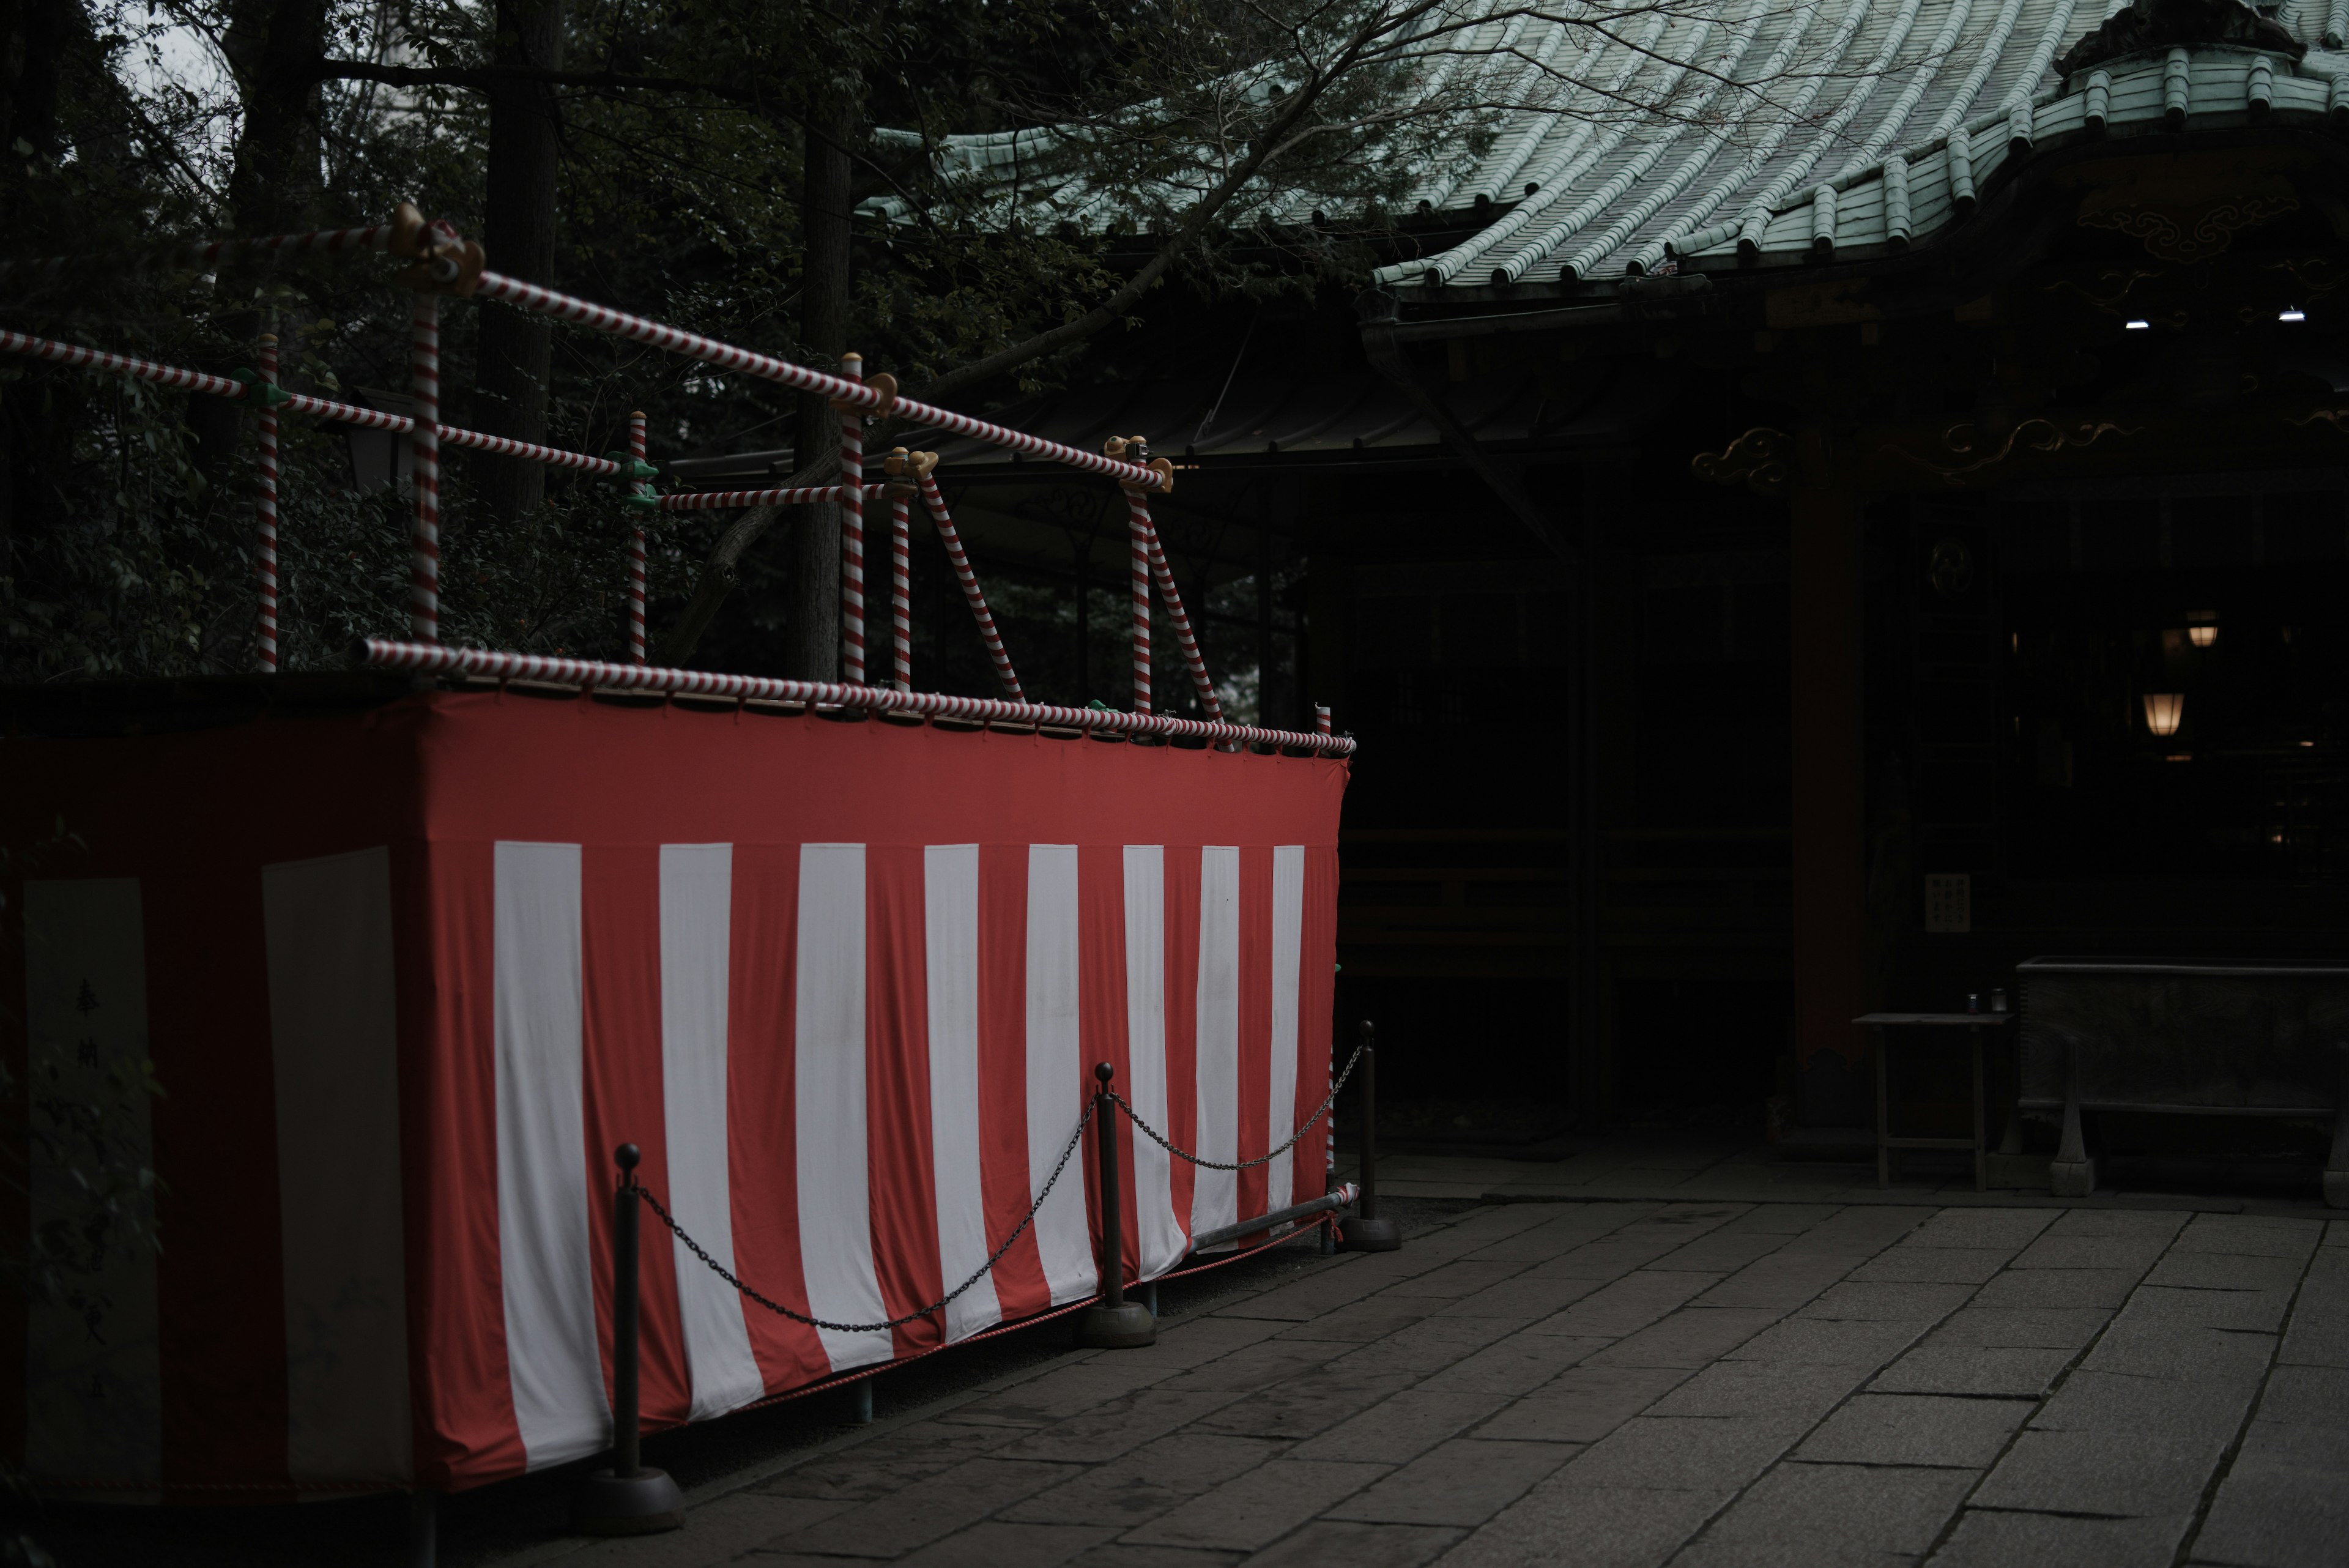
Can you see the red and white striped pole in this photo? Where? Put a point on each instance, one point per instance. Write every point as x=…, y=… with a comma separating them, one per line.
x=424, y=387
x=1137, y=528
x=901, y=591
x=1321, y=724
x=971, y=593
x=636, y=548
x=852, y=528
x=264, y=513
x=1209, y=704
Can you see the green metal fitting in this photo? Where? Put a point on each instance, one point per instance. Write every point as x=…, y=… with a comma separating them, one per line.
x=632, y=467
x=268, y=394
x=642, y=499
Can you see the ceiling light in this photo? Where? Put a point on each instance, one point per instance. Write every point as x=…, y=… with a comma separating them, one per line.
x=2292, y=312
x=2139, y=326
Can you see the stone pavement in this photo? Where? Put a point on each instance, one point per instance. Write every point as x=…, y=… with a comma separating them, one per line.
x=1644, y=1383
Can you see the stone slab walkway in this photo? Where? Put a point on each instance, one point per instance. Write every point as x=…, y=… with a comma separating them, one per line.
x=1633, y=1384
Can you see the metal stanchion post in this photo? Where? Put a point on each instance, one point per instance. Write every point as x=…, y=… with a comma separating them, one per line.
x=627, y=1498
x=1112, y=1323
x=1367, y=1233
x=424, y=1529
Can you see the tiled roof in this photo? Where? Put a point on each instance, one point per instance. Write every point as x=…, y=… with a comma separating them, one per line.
x=1757, y=131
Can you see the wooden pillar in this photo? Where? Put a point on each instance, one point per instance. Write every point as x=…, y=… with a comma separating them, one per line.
x=1830, y=881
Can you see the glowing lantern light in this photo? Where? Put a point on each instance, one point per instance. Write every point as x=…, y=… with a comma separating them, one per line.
x=2202, y=626
x=2164, y=710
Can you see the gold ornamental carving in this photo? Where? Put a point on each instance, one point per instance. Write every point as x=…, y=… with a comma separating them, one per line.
x=2033, y=434
x=1756, y=459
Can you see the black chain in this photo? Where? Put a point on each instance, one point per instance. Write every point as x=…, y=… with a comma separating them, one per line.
x=981, y=1272
x=1155, y=1137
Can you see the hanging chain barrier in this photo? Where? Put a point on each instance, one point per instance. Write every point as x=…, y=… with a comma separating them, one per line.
x=1135, y=1117
x=915, y=1316
x=1018, y=1230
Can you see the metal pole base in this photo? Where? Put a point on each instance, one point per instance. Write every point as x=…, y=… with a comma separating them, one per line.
x=1379, y=1235
x=644, y=1503
x=1128, y=1325
x=423, y=1529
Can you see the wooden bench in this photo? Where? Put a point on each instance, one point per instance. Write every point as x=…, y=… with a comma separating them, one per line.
x=2185, y=1037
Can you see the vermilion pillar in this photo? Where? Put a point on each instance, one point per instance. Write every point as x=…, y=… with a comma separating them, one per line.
x=1830, y=878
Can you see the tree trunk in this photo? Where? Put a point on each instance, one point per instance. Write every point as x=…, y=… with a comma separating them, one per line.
x=518, y=233
x=814, y=636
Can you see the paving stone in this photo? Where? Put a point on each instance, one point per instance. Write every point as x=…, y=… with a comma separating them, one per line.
x=2282, y=1504
x=1116, y=1428
x=722, y=1531
x=1519, y=1364
x=1627, y=1305
x=1557, y=1233
x=1117, y=1555
x=1563, y=1524
x=1609, y=1257
x=995, y=1543
x=1325, y=1290
x=2154, y=1470
x=2008, y=1228
x=1148, y=1481
x=2105, y=1289
x=1687, y=1451
x=1690, y=1337
x=1881, y=1301
x=1428, y=1346
x=1463, y=1481
x=891, y=1462
x=1499, y=1221
x=1916, y=1429
x=2190, y=1354
x=1780, y=1218
x=2318, y=1334
x=1830, y=1516
x=1760, y=1389
x=2262, y=1235
x=1860, y=1231
x=1527, y=1297
x=1460, y=1482
x=1401, y=1427
x=1834, y=1342
x=1722, y=1251
x=2160, y=1223
x=1251, y=1511
x=950, y=1500
x=1583, y=1405
x=1187, y=1341
x=2020, y=1328
x=1971, y=1370
x=2227, y=1271
x=1453, y=1280
x=2336, y=1232
x=2057, y=1251
x=1326, y=1544
x=1781, y=1282
x=1063, y=1392
x=1913, y=1263
x=1305, y=1406
x=1373, y=1317
x=1987, y=1538
x=1253, y=1366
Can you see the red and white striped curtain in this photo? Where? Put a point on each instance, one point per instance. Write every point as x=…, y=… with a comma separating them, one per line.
x=408, y=978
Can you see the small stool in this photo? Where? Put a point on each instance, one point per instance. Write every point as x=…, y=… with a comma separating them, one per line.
x=1978, y=1026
